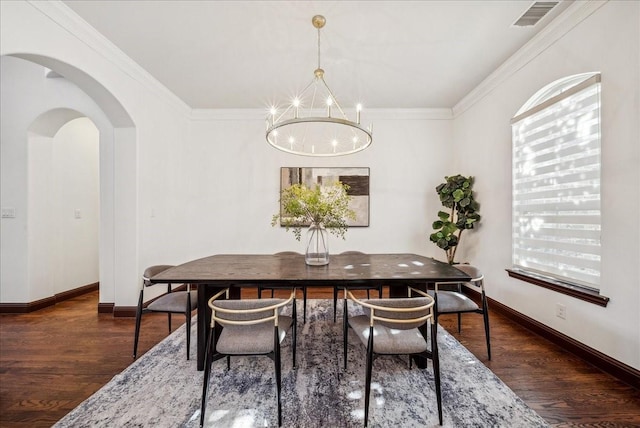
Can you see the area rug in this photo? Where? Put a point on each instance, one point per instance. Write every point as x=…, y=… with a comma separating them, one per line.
x=163, y=389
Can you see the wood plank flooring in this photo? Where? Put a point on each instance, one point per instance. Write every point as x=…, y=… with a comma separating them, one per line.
x=53, y=359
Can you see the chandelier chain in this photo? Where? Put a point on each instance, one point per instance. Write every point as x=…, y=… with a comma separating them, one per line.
x=318, y=48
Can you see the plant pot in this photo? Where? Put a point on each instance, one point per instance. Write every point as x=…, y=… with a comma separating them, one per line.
x=317, y=250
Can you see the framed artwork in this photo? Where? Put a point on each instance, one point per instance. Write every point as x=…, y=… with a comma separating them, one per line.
x=356, y=178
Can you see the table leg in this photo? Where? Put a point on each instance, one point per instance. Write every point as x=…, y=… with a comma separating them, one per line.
x=204, y=318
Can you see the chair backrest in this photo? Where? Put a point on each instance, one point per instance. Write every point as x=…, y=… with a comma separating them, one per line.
x=398, y=313
x=152, y=271
x=246, y=311
x=472, y=271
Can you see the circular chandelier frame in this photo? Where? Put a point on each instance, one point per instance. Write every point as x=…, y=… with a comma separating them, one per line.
x=315, y=135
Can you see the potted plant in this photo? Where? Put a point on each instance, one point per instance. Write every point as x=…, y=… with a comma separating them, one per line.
x=322, y=208
x=456, y=193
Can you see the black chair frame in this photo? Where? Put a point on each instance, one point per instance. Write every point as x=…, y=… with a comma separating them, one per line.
x=142, y=309
x=483, y=308
x=211, y=355
x=432, y=354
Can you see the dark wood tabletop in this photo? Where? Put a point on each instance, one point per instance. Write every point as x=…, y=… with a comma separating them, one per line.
x=264, y=268
x=238, y=270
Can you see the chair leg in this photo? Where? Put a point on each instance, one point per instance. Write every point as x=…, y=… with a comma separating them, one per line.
x=188, y=322
x=304, y=304
x=459, y=322
x=368, y=295
x=335, y=302
x=188, y=327
x=137, y=333
x=367, y=387
x=276, y=359
x=436, y=368
x=208, y=356
x=485, y=314
x=169, y=319
x=345, y=333
x=294, y=336
x=380, y=292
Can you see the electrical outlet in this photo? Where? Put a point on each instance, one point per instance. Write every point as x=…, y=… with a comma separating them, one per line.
x=561, y=311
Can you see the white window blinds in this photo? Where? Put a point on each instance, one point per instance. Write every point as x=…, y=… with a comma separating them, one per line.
x=556, y=185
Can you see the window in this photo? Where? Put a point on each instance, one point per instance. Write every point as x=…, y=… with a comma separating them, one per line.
x=556, y=183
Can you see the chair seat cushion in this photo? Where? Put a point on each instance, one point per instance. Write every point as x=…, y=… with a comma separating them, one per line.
x=451, y=302
x=388, y=340
x=252, y=339
x=174, y=302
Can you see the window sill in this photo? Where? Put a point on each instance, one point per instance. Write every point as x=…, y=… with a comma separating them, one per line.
x=560, y=287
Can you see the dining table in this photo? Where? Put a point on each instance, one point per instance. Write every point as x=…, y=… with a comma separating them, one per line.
x=234, y=271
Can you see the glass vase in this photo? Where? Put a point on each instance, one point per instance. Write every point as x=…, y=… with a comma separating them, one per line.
x=317, y=252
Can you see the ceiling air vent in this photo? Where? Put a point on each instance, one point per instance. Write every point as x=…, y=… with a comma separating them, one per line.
x=535, y=13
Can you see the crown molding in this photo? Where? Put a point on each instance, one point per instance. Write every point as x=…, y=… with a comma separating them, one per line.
x=371, y=114
x=565, y=22
x=72, y=23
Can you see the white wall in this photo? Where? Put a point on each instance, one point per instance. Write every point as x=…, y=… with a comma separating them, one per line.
x=231, y=184
x=144, y=124
x=31, y=164
x=607, y=41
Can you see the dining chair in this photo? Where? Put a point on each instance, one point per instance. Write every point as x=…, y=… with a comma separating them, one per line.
x=249, y=327
x=170, y=302
x=456, y=302
x=338, y=287
x=272, y=287
x=395, y=326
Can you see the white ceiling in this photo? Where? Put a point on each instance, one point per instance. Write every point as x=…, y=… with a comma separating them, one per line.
x=251, y=54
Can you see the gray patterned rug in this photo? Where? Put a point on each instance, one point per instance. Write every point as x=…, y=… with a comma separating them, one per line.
x=163, y=389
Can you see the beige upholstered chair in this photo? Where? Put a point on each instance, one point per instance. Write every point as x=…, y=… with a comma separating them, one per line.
x=172, y=302
x=272, y=287
x=455, y=302
x=248, y=327
x=396, y=327
x=368, y=287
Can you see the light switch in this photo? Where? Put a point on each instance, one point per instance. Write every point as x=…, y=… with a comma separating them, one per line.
x=8, y=213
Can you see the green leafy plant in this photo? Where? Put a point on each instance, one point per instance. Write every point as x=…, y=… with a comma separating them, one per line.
x=324, y=205
x=456, y=193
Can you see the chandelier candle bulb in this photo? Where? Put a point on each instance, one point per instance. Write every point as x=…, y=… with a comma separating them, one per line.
x=296, y=104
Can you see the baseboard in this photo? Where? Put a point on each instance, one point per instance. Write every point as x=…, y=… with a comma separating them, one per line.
x=124, y=311
x=624, y=372
x=105, y=308
x=70, y=294
x=23, y=308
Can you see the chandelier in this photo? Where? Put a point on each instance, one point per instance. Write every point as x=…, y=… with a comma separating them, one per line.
x=314, y=123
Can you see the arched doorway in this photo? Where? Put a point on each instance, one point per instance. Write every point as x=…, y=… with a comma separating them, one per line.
x=22, y=106
x=63, y=203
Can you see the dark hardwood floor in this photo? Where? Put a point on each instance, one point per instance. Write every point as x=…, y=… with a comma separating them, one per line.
x=53, y=359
